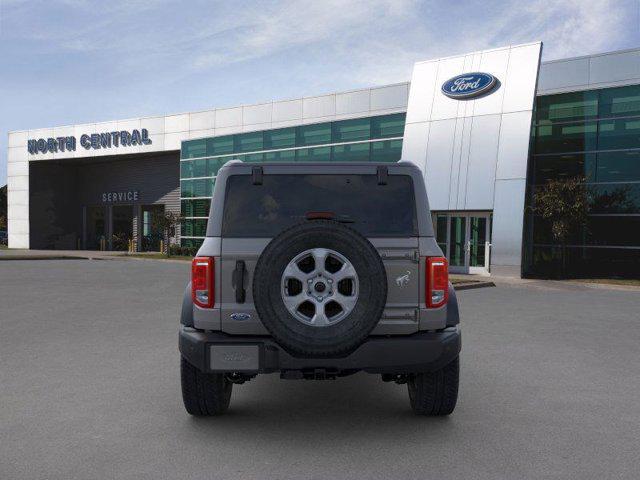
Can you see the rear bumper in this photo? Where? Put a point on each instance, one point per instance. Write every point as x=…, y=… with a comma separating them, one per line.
x=420, y=352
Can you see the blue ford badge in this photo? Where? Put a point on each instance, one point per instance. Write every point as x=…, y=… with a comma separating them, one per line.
x=468, y=85
x=240, y=316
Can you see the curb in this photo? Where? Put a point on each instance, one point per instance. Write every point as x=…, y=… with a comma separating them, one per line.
x=473, y=285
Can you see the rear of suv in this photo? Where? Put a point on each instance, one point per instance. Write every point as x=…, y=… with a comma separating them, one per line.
x=316, y=271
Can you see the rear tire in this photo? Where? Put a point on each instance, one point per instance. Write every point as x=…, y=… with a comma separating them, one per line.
x=435, y=393
x=204, y=394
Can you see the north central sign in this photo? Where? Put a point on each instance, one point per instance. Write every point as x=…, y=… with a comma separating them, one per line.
x=93, y=141
x=469, y=85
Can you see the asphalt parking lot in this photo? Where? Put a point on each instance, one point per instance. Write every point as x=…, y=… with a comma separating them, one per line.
x=89, y=389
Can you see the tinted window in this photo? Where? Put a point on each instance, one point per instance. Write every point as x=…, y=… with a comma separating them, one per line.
x=283, y=200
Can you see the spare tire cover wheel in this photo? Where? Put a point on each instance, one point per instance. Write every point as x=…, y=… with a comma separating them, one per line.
x=320, y=288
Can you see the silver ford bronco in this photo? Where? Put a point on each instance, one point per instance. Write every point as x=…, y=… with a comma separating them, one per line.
x=317, y=271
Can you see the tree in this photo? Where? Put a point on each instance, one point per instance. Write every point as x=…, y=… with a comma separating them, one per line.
x=565, y=204
x=3, y=208
x=166, y=223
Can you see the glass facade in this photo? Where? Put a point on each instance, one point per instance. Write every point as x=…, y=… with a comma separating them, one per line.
x=593, y=134
x=375, y=139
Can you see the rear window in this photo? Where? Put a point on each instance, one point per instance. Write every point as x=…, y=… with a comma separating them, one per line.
x=284, y=200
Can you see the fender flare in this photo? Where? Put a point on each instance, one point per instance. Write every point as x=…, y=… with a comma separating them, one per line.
x=453, y=314
x=186, y=313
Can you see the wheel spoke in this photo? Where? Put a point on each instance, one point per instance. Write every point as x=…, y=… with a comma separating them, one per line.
x=319, y=258
x=347, y=302
x=293, y=302
x=320, y=318
x=347, y=271
x=293, y=271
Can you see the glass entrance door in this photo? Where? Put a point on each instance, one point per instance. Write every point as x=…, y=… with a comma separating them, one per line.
x=465, y=239
x=95, y=227
x=122, y=227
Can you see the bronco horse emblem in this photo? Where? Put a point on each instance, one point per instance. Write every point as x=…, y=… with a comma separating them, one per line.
x=403, y=280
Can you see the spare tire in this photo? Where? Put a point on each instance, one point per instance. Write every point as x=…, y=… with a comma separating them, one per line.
x=320, y=288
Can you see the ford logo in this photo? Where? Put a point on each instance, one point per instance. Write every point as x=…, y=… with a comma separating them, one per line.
x=469, y=85
x=240, y=316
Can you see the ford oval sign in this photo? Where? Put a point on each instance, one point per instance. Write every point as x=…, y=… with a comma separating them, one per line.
x=468, y=85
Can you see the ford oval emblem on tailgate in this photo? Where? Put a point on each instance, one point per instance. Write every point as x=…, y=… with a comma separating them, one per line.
x=240, y=316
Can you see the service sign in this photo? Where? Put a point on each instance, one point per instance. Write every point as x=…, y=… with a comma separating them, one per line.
x=469, y=85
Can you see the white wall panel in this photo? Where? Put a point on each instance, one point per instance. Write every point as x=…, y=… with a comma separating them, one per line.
x=414, y=144
x=393, y=96
x=494, y=62
x=257, y=114
x=17, y=168
x=352, y=102
x=556, y=75
x=314, y=107
x=17, y=154
x=421, y=93
x=508, y=215
x=445, y=107
x=202, y=120
x=522, y=76
x=614, y=67
x=481, y=165
x=176, y=123
x=287, y=111
x=154, y=125
x=228, y=117
x=514, y=145
x=439, y=158
x=18, y=139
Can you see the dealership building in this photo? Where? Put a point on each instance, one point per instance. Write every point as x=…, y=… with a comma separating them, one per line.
x=489, y=129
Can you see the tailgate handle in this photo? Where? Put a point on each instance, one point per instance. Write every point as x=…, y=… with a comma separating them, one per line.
x=238, y=281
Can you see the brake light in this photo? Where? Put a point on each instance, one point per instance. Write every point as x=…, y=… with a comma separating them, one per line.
x=437, y=281
x=202, y=291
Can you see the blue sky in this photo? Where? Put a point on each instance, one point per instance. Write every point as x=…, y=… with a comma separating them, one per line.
x=73, y=61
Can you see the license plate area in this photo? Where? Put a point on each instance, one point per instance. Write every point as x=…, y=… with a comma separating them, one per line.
x=234, y=358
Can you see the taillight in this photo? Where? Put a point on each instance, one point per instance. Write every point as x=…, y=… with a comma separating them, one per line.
x=202, y=291
x=437, y=281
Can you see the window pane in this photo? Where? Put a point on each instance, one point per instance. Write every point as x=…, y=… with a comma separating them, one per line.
x=186, y=169
x=566, y=107
x=313, y=134
x=618, y=167
x=563, y=166
x=352, y=130
x=215, y=164
x=248, y=142
x=280, y=138
x=253, y=157
x=616, y=134
x=282, y=156
x=356, y=152
x=186, y=188
x=219, y=145
x=620, y=102
x=574, y=137
x=194, y=148
x=193, y=228
x=195, y=208
x=283, y=200
x=191, y=242
x=319, y=154
x=586, y=261
x=615, y=198
x=387, y=151
x=388, y=126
